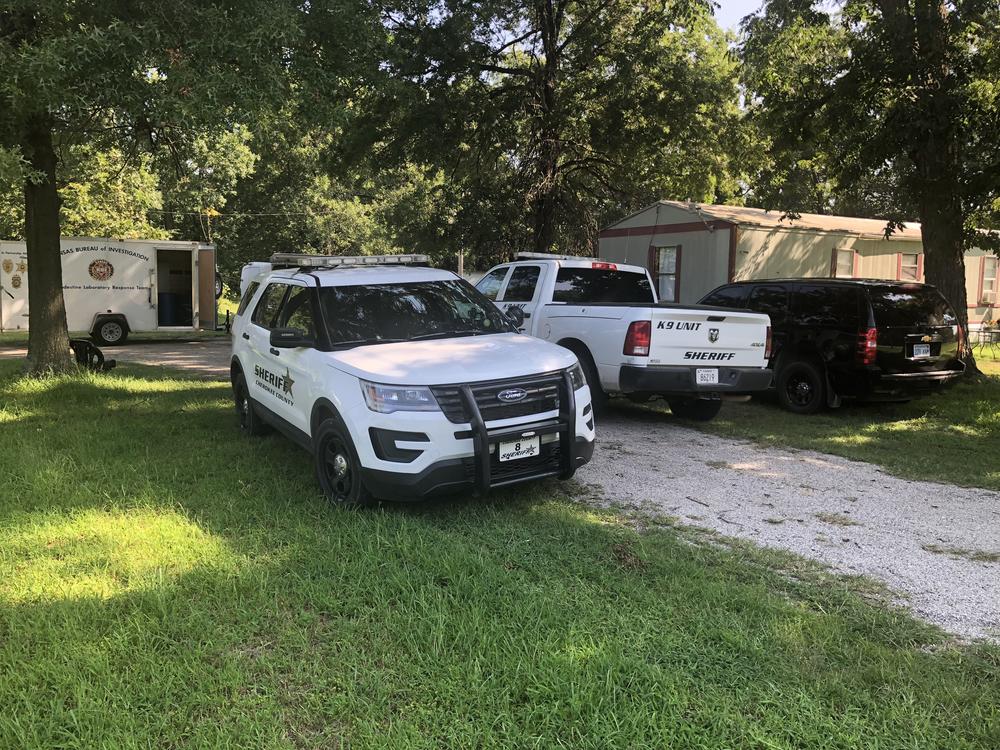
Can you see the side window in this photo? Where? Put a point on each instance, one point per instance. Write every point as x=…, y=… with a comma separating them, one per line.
x=297, y=312
x=490, y=283
x=727, y=296
x=771, y=300
x=251, y=291
x=521, y=287
x=267, y=307
x=827, y=307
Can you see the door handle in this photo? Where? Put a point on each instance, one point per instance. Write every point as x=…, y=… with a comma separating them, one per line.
x=246, y=336
x=274, y=351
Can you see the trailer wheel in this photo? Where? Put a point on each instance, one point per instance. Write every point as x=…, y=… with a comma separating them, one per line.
x=218, y=285
x=111, y=332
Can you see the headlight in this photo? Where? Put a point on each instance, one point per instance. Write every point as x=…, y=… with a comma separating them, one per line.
x=576, y=377
x=390, y=398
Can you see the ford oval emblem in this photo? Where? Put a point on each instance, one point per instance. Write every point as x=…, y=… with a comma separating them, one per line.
x=511, y=395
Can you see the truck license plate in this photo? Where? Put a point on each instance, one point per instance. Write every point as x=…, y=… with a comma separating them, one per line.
x=707, y=376
x=511, y=450
x=921, y=350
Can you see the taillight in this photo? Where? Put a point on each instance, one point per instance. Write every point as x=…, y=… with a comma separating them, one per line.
x=767, y=344
x=868, y=346
x=637, y=338
x=604, y=266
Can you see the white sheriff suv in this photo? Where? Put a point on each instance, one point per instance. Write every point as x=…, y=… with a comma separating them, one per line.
x=403, y=381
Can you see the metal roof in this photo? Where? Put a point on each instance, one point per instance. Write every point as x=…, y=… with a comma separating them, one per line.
x=759, y=217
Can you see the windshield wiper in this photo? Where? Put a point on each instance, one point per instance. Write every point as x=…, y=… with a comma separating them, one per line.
x=366, y=342
x=446, y=334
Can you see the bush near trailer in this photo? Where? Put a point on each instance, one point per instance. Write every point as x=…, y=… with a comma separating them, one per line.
x=192, y=588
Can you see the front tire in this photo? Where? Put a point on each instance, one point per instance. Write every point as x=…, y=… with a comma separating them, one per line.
x=801, y=387
x=250, y=422
x=337, y=466
x=695, y=409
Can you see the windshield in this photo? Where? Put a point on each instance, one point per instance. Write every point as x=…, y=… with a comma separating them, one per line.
x=910, y=305
x=383, y=313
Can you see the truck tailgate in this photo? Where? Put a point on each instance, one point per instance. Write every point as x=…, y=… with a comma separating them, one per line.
x=710, y=338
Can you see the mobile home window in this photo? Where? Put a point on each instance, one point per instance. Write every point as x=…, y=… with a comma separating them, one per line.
x=909, y=267
x=844, y=264
x=667, y=265
x=989, y=295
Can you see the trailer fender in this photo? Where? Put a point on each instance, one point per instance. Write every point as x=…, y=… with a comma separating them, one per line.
x=110, y=329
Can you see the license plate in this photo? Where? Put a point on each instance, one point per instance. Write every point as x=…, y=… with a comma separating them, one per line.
x=921, y=350
x=707, y=376
x=512, y=450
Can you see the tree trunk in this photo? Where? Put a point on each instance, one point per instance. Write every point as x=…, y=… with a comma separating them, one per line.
x=48, y=337
x=944, y=257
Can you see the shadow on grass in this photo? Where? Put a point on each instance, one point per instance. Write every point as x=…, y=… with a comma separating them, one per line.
x=168, y=581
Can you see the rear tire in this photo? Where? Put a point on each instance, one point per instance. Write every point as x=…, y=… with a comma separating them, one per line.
x=338, y=469
x=801, y=387
x=250, y=422
x=695, y=409
x=598, y=397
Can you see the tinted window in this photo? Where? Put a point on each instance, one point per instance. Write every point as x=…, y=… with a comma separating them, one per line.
x=595, y=285
x=521, y=287
x=909, y=305
x=827, y=307
x=491, y=282
x=251, y=290
x=771, y=300
x=380, y=313
x=297, y=311
x=267, y=308
x=727, y=296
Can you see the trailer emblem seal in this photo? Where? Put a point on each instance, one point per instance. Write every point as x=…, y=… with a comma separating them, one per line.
x=8, y=265
x=101, y=270
x=15, y=281
x=713, y=335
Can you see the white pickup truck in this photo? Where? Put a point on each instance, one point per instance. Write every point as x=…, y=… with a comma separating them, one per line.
x=626, y=340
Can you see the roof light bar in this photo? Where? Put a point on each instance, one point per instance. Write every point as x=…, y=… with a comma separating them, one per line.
x=552, y=256
x=304, y=260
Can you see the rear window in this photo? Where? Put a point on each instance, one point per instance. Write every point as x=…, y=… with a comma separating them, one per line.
x=251, y=290
x=727, y=296
x=904, y=306
x=589, y=286
x=827, y=306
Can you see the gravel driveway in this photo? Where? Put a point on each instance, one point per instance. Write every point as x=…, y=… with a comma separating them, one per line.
x=850, y=515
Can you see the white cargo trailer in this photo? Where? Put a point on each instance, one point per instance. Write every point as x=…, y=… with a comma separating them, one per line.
x=116, y=287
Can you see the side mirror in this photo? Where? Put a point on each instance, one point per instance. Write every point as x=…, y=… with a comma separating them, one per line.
x=291, y=338
x=515, y=315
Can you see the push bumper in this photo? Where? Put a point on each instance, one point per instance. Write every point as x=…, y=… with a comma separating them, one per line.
x=483, y=470
x=456, y=475
x=681, y=380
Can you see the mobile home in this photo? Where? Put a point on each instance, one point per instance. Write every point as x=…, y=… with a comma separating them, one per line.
x=116, y=287
x=691, y=248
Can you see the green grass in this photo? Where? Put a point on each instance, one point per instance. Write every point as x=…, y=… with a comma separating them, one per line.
x=952, y=437
x=165, y=582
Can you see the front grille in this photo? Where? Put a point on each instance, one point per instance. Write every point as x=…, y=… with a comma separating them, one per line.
x=542, y=396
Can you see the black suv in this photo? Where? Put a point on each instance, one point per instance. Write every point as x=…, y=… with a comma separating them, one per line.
x=851, y=338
